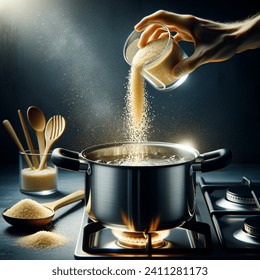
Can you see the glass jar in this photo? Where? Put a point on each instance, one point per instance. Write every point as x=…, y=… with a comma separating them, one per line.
x=34, y=181
x=158, y=71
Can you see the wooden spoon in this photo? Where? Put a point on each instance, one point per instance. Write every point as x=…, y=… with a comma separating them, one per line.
x=52, y=206
x=53, y=132
x=28, y=139
x=37, y=121
x=14, y=136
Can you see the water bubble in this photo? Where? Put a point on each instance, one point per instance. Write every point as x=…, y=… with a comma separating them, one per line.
x=155, y=159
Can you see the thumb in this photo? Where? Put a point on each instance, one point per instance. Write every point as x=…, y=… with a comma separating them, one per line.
x=186, y=66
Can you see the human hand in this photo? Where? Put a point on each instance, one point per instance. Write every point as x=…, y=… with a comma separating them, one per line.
x=213, y=41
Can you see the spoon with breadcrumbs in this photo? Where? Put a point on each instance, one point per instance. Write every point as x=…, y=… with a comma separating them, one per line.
x=50, y=208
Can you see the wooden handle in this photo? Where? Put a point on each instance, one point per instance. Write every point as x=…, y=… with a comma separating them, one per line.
x=41, y=141
x=28, y=139
x=44, y=157
x=73, y=197
x=13, y=135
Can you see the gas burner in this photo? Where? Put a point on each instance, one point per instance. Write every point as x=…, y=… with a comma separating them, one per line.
x=250, y=233
x=191, y=238
x=240, y=196
x=237, y=198
x=244, y=195
x=130, y=240
x=252, y=226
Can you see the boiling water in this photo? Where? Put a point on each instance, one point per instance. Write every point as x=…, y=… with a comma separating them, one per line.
x=156, y=159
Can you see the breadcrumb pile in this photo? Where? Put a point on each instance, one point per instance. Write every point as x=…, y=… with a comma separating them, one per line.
x=43, y=239
x=28, y=209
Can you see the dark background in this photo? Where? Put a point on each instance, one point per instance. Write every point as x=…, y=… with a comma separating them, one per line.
x=65, y=56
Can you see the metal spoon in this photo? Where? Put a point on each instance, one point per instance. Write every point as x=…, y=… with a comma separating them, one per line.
x=53, y=132
x=37, y=121
x=52, y=206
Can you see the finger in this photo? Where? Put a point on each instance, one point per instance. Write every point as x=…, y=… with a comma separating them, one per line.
x=140, y=26
x=178, y=37
x=183, y=37
x=164, y=36
x=147, y=33
x=181, y=22
x=159, y=16
x=158, y=34
x=180, y=70
x=187, y=65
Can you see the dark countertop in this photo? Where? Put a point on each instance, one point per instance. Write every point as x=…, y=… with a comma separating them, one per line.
x=67, y=220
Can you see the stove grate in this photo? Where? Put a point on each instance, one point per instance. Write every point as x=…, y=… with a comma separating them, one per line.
x=194, y=226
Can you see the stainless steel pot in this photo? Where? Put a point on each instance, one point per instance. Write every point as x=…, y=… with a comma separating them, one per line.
x=140, y=198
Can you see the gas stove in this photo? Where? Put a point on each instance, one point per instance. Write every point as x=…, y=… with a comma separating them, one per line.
x=235, y=213
x=226, y=226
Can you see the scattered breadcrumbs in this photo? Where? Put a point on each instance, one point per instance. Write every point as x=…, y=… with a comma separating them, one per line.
x=43, y=239
x=28, y=209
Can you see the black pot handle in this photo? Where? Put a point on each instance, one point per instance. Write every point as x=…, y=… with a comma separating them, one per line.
x=69, y=160
x=213, y=160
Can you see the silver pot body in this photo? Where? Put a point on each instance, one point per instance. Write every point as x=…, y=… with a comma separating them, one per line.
x=140, y=198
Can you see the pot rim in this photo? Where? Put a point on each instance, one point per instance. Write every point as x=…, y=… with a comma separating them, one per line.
x=188, y=149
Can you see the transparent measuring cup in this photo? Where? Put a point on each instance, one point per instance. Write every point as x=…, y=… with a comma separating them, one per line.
x=158, y=71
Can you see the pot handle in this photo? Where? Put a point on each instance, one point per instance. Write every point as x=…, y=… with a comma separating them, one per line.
x=213, y=160
x=70, y=160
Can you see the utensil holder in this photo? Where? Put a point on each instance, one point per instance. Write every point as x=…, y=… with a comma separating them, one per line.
x=34, y=181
